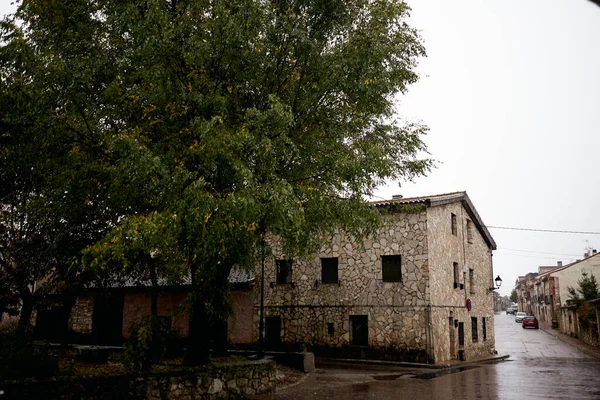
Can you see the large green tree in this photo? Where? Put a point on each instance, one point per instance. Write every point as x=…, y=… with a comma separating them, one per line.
x=216, y=122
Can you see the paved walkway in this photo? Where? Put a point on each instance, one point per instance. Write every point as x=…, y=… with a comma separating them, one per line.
x=584, y=347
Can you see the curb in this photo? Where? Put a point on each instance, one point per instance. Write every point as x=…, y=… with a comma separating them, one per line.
x=355, y=361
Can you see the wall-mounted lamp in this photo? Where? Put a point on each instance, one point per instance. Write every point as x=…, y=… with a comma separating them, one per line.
x=498, y=282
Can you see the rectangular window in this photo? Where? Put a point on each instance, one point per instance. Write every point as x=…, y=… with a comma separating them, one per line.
x=330, y=329
x=474, y=329
x=453, y=220
x=483, y=328
x=469, y=231
x=284, y=271
x=360, y=330
x=329, y=270
x=456, y=275
x=391, y=268
x=461, y=333
x=471, y=280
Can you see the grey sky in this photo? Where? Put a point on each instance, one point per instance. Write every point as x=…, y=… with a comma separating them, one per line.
x=510, y=90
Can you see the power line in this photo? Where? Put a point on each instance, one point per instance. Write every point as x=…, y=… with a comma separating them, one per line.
x=543, y=230
x=540, y=252
x=537, y=257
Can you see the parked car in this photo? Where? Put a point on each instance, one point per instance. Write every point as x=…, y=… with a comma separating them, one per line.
x=511, y=310
x=519, y=316
x=530, y=322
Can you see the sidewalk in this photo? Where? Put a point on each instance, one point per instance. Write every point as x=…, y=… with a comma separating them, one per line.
x=584, y=347
x=444, y=365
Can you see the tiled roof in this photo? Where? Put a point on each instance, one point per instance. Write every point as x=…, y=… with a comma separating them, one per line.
x=445, y=198
x=236, y=276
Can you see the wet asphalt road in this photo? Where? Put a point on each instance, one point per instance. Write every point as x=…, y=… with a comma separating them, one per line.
x=540, y=367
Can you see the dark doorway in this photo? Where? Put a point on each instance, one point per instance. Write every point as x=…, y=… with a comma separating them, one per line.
x=461, y=334
x=360, y=330
x=108, y=319
x=273, y=331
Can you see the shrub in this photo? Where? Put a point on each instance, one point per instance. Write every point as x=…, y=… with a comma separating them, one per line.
x=20, y=359
x=148, y=344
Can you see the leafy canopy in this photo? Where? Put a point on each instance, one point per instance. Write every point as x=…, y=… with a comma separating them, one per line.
x=208, y=123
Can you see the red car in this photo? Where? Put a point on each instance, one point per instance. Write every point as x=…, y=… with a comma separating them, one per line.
x=530, y=322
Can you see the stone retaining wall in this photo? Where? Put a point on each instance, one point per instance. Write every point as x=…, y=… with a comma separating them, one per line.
x=224, y=381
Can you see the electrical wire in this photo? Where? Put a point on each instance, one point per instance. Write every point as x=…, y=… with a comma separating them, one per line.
x=543, y=230
x=540, y=252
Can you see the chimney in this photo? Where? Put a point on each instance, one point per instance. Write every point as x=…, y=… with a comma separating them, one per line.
x=397, y=197
x=559, y=263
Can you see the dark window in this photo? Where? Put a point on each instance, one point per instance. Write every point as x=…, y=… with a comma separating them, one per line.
x=456, y=274
x=461, y=333
x=472, y=280
x=474, y=329
x=284, y=271
x=391, y=268
x=483, y=328
x=453, y=224
x=330, y=329
x=329, y=270
x=360, y=330
x=469, y=231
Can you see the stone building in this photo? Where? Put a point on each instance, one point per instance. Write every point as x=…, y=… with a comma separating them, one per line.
x=108, y=316
x=420, y=290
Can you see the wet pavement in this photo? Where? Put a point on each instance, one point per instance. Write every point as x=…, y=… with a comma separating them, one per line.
x=541, y=366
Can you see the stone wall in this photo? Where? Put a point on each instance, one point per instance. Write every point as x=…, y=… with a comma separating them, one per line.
x=395, y=310
x=224, y=381
x=81, y=317
x=470, y=252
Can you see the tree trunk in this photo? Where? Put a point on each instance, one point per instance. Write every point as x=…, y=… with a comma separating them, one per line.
x=68, y=304
x=197, y=347
x=155, y=322
x=28, y=303
x=197, y=344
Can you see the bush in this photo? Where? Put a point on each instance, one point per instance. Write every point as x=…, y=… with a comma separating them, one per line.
x=148, y=344
x=20, y=359
x=587, y=318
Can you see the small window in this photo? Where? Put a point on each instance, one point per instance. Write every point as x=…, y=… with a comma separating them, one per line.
x=469, y=231
x=483, y=328
x=453, y=220
x=456, y=275
x=330, y=329
x=471, y=280
x=391, y=267
x=329, y=270
x=360, y=330
x=284, y=271
x=461, y=333
x=474, y=329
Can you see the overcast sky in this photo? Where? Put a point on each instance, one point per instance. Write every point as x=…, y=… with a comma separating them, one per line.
x=511, y=92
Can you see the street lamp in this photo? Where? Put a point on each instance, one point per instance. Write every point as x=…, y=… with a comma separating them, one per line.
x=498, y=282
x=261, y=322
